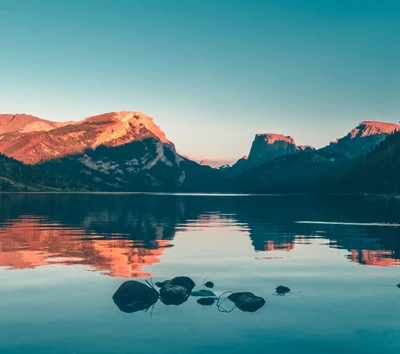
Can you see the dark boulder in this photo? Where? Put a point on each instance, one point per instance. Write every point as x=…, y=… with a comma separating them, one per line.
x=202, y=293
x=160, y=284
x=247, y=302
x=186, y=282
x=209, y=284
x=282, y=290
x=206, y=301
x=133, y=296
x=174, y=294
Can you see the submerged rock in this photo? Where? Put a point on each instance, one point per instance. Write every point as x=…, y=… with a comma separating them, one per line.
x=133, y=296
x=206, y=301
x=247, y=302
x=209, y=284
x=203, y=293
x=282, y=290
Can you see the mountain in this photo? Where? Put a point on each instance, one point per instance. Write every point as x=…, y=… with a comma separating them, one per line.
x=113, y=151
x=376, y=172
x=111, y=129
x=265, y=147
x=361, y=140
x=127, y=151
x=23, y=123
x=143, y=165
x=305, y=148
x=306, y=171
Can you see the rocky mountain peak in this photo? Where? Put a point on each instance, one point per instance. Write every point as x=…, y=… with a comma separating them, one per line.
x=268, y=146
x=368, y=128
x=270, y=138
x=362, y=139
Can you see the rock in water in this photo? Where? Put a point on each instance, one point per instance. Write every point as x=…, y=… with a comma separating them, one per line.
x=202, y=293
x=282, y=290
x=209, y=284
x=133, y=296
x=247, y=302
x=186, y=282
x=206, y=301
x=160, y=284
x=398, y=285
x=176, y=291
x=174, y=294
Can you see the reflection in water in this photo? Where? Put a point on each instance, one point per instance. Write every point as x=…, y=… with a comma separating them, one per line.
x=119, y=234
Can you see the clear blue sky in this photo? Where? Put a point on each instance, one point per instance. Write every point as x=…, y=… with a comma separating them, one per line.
x=211, y=72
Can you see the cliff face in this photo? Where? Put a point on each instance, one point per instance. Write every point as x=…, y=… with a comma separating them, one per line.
x=50, y=141
x=266, y=147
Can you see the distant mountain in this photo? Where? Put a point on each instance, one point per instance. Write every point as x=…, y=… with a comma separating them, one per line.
x=127, y=151
x=114, y=151
x=361, y=140
x=376, y=172
x=111, y=129
x=305, y=148
x=212, y=162
x=305, y=172
x=265, y=147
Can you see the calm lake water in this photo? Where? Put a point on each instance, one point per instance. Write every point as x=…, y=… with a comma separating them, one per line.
x=62, y=257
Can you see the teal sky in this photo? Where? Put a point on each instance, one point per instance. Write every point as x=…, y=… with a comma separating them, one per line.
x=211, y=72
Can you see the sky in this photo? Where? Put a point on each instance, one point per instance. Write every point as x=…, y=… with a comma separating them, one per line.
x=212, y=73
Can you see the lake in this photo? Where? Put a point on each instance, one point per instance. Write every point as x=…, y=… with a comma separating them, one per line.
x=63, y=256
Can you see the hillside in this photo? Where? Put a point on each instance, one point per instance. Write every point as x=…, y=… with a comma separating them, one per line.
x=377, y=172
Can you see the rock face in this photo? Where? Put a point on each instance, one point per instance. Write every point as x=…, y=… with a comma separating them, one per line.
x=266, y=147
x=48, y=140
x=114, y=151
x=361, y=140
x=133, y=296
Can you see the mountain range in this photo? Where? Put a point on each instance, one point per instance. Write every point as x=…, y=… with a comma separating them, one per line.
x=127, y=151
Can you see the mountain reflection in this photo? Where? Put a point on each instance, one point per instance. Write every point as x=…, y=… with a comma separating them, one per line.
x=119, y=235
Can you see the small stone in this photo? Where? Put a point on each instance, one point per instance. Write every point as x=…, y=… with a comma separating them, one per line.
x=209, y=284
x=206, y=301
x=202, y=293
x=282, y=290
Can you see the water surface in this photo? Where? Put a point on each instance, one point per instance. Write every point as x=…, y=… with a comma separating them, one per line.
x=62, y=256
